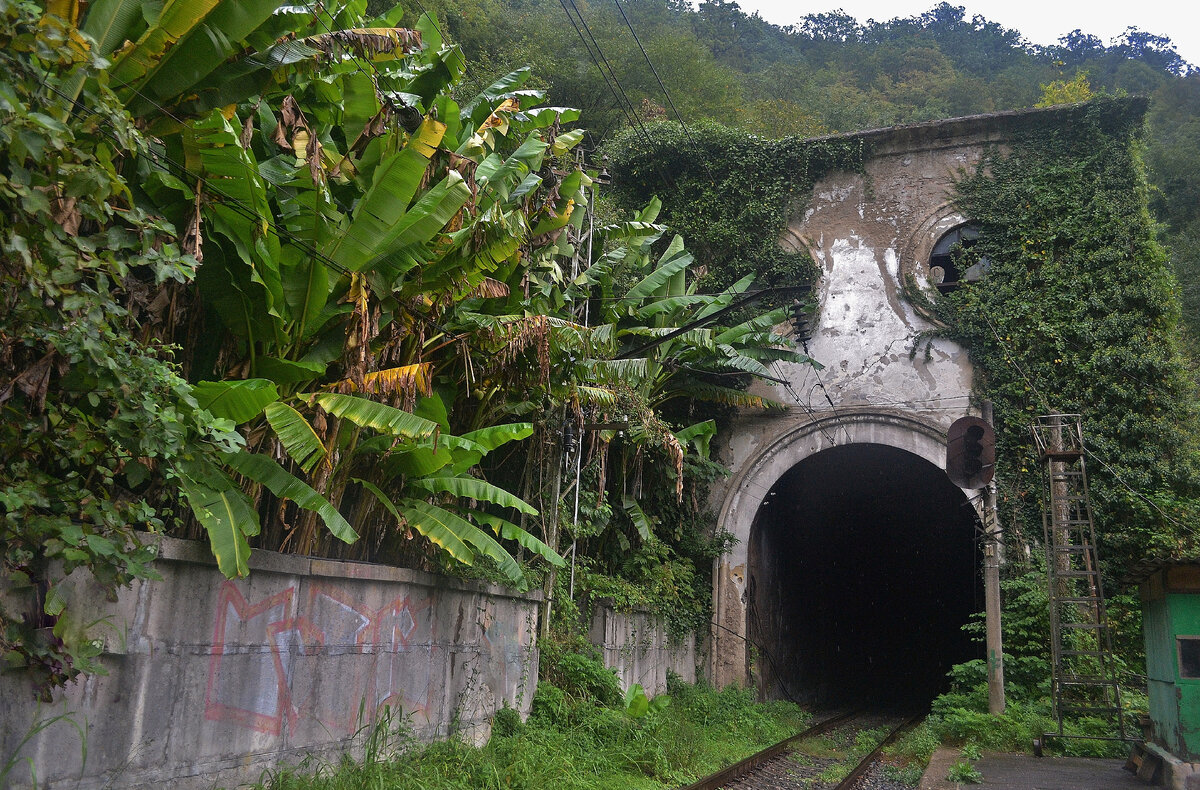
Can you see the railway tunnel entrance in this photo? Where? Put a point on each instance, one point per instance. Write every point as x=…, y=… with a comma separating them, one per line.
x=862, y=569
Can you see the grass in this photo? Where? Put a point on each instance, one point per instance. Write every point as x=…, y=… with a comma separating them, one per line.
x=572, y=741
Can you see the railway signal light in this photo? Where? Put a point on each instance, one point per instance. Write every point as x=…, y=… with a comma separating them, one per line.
x=970, y=452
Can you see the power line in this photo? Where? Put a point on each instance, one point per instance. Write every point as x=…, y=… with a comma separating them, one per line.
x=1092, y=453
x=807, y=409
x=666, y=92
x=623, y=104
x=837, y=417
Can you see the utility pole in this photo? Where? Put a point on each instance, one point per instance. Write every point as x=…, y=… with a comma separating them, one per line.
x=991, y=590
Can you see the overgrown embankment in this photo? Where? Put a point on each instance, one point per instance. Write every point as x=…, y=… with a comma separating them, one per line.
x=583, y=733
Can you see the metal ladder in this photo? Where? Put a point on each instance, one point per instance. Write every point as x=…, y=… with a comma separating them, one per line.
x=1084, y=679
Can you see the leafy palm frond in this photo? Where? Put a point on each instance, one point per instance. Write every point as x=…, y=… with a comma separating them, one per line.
x=472, y=488
x=296, y=435
x=729, y=396
x=428, y=524
x=377, y=416
x=424, y=516
x=265, y=470
x=596, y=396
x=510, y=531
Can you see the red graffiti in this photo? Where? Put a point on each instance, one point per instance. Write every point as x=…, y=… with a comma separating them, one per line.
x=325, y=658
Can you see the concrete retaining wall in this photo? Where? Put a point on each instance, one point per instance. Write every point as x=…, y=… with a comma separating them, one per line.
x=636, y=644
x=214, y=681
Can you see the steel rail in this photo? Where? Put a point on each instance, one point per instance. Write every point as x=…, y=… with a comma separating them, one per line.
x=865, y=764
x=740, y=769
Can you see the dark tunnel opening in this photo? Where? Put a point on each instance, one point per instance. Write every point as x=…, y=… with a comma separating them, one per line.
x=863, y=569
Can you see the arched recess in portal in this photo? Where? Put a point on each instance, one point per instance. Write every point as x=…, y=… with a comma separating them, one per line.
x=834, y=519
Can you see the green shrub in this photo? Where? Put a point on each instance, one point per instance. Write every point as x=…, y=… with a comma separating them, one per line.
x=915, y=746
x=904, y=774
x=964, y=773
x=507, y=722
x=580, y=674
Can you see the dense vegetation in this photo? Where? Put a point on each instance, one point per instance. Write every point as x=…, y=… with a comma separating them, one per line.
x=832, y=73
x=337, y=290
x=584, y=732
x=342, y=259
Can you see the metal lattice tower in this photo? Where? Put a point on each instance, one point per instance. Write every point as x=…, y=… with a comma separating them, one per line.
x=1084, y=680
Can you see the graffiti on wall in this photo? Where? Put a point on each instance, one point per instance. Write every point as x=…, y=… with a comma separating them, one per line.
x=314, y=654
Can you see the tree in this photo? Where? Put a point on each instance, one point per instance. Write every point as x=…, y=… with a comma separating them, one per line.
x=97, y=426
x=1070, y=91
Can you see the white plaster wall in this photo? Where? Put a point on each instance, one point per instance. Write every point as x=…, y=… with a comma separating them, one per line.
x=866, y=232
x=213, y=682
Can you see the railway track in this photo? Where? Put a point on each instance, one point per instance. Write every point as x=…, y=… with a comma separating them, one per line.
x=826, y=756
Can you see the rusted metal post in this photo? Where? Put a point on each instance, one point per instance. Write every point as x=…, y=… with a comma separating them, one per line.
x=991, y=592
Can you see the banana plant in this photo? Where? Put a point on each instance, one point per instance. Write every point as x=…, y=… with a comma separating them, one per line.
x=336, y=233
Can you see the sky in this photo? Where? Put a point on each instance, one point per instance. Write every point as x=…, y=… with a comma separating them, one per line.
x=1041, y=22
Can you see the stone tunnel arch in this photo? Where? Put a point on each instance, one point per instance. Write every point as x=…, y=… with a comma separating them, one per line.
x=846, y=527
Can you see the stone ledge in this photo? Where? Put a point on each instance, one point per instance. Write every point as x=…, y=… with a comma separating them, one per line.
x=196, y=552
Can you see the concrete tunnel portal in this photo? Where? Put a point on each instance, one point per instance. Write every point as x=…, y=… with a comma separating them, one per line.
x=863, y=568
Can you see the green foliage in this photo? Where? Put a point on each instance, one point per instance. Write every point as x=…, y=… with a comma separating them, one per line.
x=917, y=745
x=96, y=424
x=579, y=674
x=904, y=774
x=1070, y=91
x=637, y=704
x=729, y=193
x=507, y=722
x=1078, y=314
x=581, y=745
x=964, y=773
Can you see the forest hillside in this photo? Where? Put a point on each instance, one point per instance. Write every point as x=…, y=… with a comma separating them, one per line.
x=632, y=63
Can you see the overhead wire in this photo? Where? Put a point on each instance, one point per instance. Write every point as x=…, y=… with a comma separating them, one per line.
x=787, y=386
x=661, y=84
x=610, y=77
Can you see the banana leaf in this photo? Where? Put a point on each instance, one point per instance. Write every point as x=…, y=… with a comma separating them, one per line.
x=432, y=515
x=510, y=531
x=131, y=65
x=393, y=186
x=440, y=526
x=207, y=46
x=698, y=435
x=241, y=400
x=674, y=261
x=296, y=435
x=472, y=488
x=263, y=469
x=641, y=521
x=428, y=524
x=227, y=517
x=377, y=416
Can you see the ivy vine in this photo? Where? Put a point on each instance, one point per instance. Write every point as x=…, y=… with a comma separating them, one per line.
x=729, y=193
x=1079, y=314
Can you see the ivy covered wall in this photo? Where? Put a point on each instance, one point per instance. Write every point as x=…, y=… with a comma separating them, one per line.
x=1078, y=312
